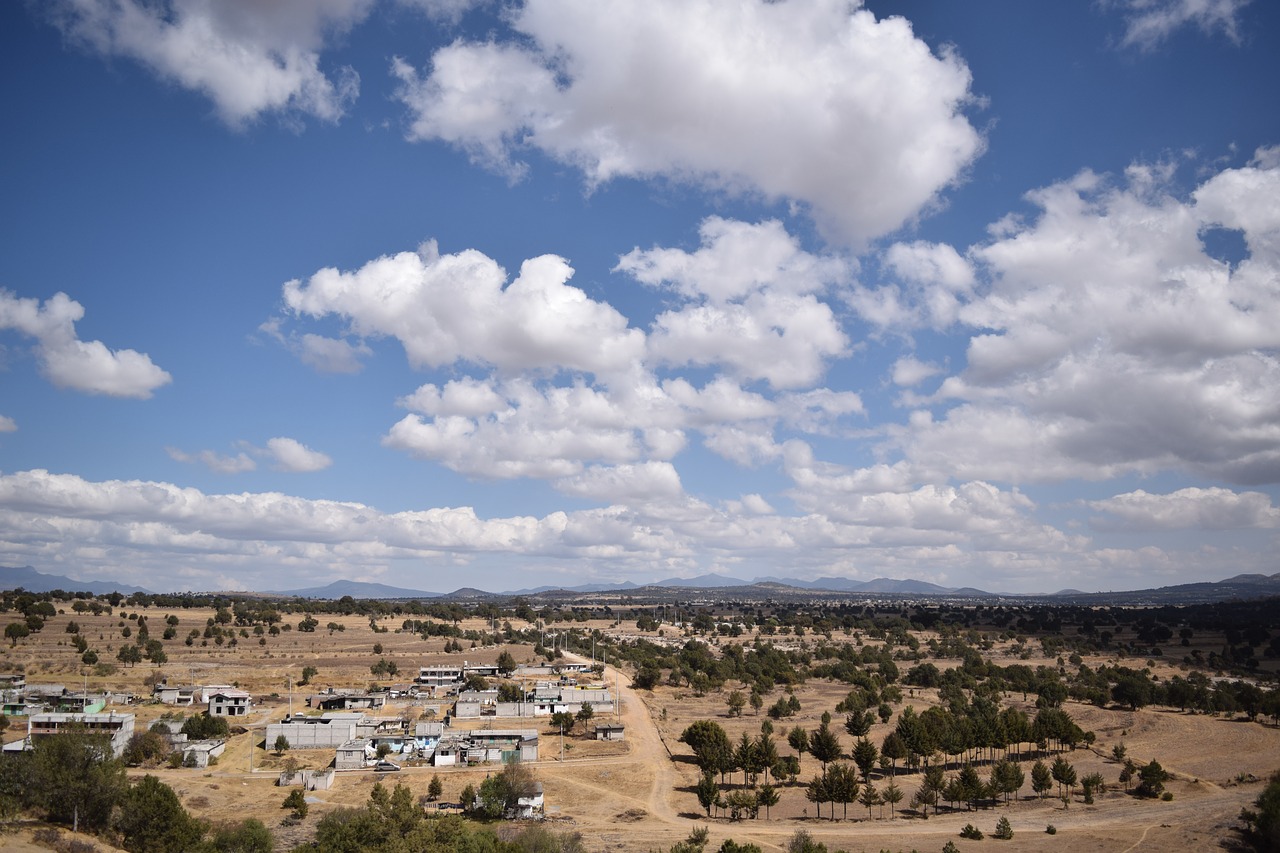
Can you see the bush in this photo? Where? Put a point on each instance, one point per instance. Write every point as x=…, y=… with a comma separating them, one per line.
x=1051, y=830
x=950, y=847
x=971, y=831
x=1004, y=830
x=1167, y=796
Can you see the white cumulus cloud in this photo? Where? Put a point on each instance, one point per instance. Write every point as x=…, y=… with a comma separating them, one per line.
x=248, y=57
x=810, y=100
x=1192, y=508
x=69, y=362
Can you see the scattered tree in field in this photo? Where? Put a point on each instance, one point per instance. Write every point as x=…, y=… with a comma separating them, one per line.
x=798, y=739
x=1041, y=779
x=308, y=673
x=707, y=791
x=282, y=744
x=297, y=801
x=869, y=797
x=1151, y=779
x=892, y=795
x=1004, y=830
x=824, y=745
x=767, y=796
x=736, y=702
x=435, y=788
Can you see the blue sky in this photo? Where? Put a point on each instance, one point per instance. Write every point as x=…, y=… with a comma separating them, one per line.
x=446, y=293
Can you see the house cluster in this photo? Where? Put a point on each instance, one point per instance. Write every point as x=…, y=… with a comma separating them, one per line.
x=448, y=679
x=546, y=698
x=195, y=753
x=219, y=700
x=21, y=699
x=360, y=741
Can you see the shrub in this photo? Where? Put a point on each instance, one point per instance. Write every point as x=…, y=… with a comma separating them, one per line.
x=971, y=831
x=1167, y=796
x=1004, y=830
x=1051, y=830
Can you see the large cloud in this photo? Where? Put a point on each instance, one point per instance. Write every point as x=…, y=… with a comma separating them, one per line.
x=810, y=100
x=69, y=362
x=249, y=57
x=447, y=308
x=1110, y=340
x=1192, y=508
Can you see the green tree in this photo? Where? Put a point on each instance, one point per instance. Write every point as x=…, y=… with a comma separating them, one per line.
x=1041, y=779
x=506, y=663
x=147, y=747
x=76, y=780
x=767, y=796
x=707, y=791
x=1064, y=774
x=308, y=673
x=892, y=795
x=282, y=744
x=865, y=755
x=1004, y=830
x=564, y=721
x=151, y=819
x=798, y=739
x=711, y=747
x=869, y=797
x=736, y=702
x=296, y=800
x=824, y=745
x=1151, y=779
x=435, y=788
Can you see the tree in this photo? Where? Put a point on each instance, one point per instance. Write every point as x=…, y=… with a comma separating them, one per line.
x=736, y=702
x=1064, y=774
x=297, y=801
x=308, y=673
x=1041, y=779
x=859, y=723
x=129, y=655
x=824, y=745
x=864, y=755
x=250, y=836
x=757, y=702
x=204, y=727
x=145, y=748
x=152, y=820
x=707, y=791
x=744, y=757
x=767, y=796
x=564, y=721
x=818, y=792
x=869, y=797
x=895, y=749
x=76, y=780
x=435, y=788
x=585, y=713
x=281, y=744
x=711, y=747
x=892, y=795
x=1151, y=779
x=798, y=739
x=506, y=663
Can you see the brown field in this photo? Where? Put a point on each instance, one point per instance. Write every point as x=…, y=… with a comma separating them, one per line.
x=637, y=795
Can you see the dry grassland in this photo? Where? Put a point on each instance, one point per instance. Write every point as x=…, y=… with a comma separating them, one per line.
x=637, y=795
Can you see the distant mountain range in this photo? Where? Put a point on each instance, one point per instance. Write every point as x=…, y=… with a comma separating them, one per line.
x=1238, y=587
x=12, y=577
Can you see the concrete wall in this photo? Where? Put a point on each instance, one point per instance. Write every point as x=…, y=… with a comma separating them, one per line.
x=311, y=735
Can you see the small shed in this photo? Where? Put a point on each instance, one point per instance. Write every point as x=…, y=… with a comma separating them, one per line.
x=611, y=731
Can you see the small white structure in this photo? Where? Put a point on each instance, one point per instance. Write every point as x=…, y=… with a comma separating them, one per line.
x=229, y=703
x=200, y=753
